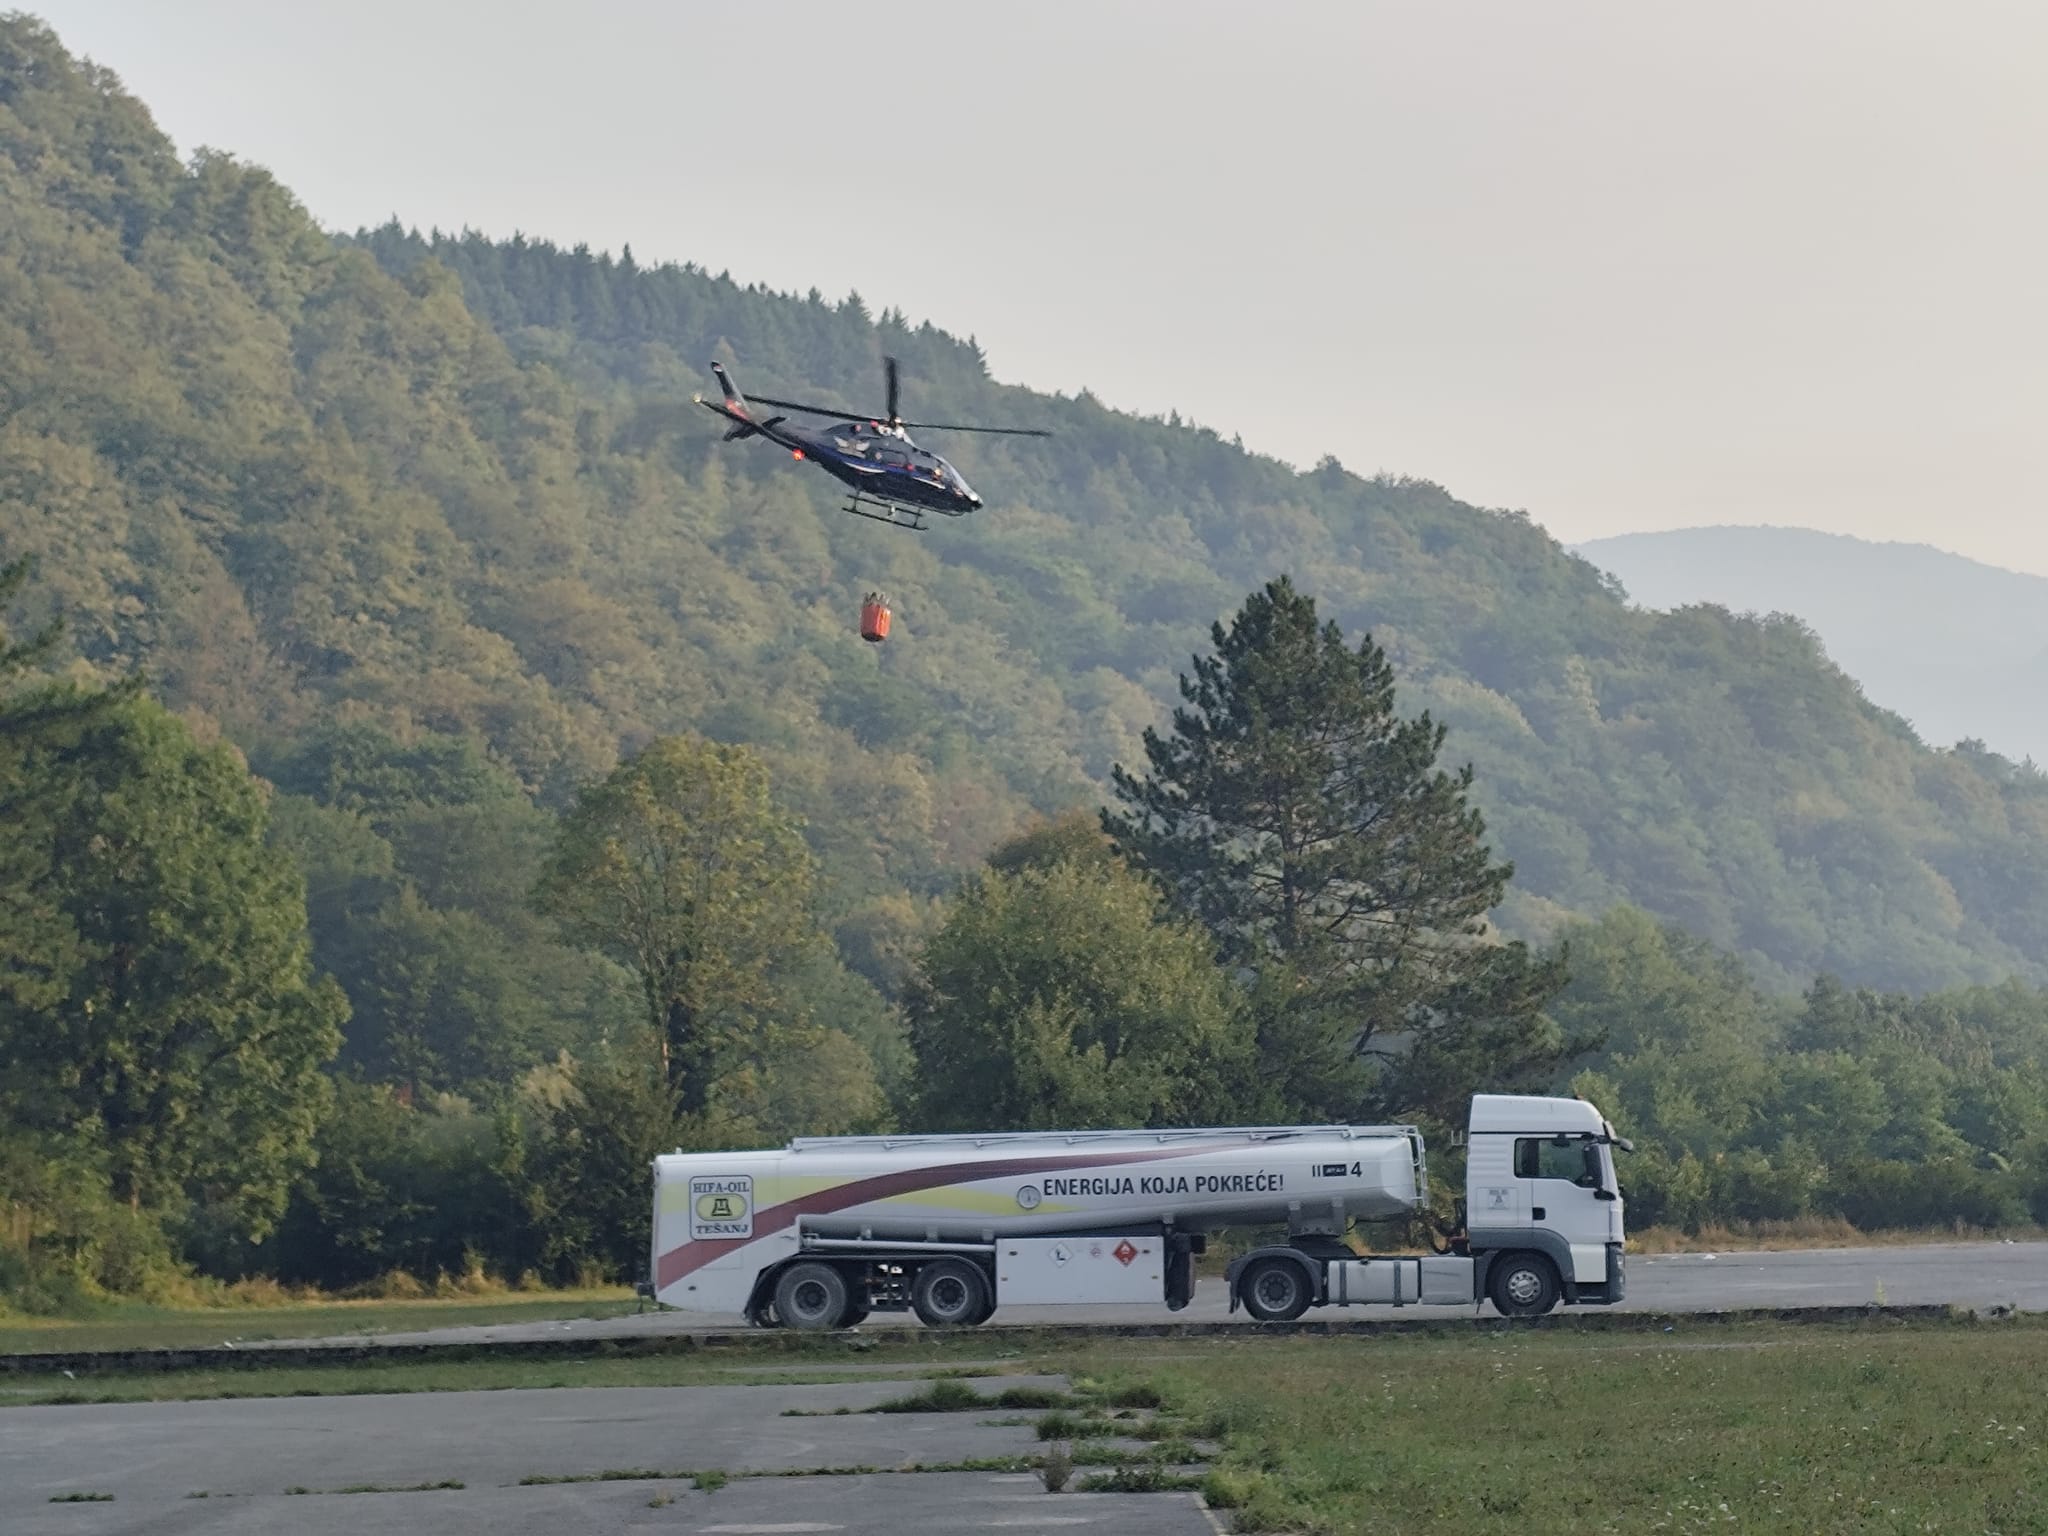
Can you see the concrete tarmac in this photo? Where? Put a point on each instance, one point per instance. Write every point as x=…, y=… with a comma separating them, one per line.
x=1977, y=1276
x=244, y=1454
x=269, y=1445
x=251, y=1465
x=934, y=1504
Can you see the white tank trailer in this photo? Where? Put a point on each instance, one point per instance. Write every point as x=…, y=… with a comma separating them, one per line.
x=820, y=1233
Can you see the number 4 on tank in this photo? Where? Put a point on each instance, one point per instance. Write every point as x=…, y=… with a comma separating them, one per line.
x=889, y=478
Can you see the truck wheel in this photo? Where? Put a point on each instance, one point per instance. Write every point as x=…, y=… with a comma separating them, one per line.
x=1275, y=1291
x=811, y=1297
x=950, y=1294
x=854, y=1315
x=1523, y=1285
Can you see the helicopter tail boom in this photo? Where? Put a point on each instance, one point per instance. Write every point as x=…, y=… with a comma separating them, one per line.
x=736, y=409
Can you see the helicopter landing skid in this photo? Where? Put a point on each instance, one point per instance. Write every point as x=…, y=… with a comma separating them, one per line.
x=894, y=513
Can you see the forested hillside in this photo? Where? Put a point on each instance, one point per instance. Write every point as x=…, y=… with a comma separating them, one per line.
x=438, y=774
x=450, y=488
x=1958, y=647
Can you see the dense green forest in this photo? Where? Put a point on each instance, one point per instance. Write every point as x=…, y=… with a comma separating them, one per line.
x=455, y=485
x=399, y=584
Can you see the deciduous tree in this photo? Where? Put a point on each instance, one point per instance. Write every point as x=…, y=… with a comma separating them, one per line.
x=1061, y=995
x=177, y=1025
x=680, y=867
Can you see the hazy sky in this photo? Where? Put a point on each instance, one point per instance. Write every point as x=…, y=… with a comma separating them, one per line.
x=1625, y=265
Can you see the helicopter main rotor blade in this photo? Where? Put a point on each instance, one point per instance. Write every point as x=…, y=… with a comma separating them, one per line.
x=814, y=410
x=889, y=368
x=940, y=426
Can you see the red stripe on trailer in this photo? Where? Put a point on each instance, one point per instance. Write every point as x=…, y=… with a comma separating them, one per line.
x=692, y=1256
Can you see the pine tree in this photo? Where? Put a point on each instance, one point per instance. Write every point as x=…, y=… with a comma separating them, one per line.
x=1340, y=871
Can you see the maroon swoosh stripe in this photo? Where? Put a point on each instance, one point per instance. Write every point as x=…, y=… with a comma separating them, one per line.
x=694, y=1255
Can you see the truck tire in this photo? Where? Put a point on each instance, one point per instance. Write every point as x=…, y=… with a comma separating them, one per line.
x=1276, y=1290
x=1523, y=1285
x=854, y=1315
x=810, y=1297
x=950, y=1293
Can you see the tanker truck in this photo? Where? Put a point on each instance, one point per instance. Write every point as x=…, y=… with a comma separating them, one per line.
x=822, y=1232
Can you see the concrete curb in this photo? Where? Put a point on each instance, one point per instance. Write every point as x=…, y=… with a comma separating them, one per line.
x=756, y=1341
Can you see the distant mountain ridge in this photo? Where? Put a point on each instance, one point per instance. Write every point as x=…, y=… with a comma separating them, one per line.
x=1958, y=647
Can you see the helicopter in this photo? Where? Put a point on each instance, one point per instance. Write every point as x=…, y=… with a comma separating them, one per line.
x=889, y=478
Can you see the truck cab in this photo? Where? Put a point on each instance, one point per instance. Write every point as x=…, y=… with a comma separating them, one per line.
x=1540, y=1224
x=1540, y=1185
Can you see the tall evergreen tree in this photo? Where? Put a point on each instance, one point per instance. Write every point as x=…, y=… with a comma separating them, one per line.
x=1340, y=870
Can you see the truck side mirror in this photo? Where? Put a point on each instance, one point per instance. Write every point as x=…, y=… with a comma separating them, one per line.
x=1603, y=1194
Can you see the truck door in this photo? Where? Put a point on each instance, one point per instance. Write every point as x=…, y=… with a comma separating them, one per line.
x=1496, y=1196
x=1562, y=1179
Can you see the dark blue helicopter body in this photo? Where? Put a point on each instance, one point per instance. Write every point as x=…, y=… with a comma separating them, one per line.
x=892, y=479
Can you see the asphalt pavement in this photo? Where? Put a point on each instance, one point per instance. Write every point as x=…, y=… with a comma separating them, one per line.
x=1977, y=1276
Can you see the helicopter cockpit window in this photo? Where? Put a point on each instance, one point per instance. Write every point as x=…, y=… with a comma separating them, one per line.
x=891, y=458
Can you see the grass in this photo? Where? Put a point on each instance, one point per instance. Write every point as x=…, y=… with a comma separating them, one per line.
x=1073, y=1426
x=81, y=1498
x=448, y=1483
x=710, y=1481
x=1139, y=1478
x=134, y=1325
x=1849, y=1428
x=398, y=1376
x=1056, y=1468
x=947, y=1394
x=950, y=1393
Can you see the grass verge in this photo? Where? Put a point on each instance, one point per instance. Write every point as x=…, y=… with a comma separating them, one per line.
x=136, y=1326
x=817, y=1365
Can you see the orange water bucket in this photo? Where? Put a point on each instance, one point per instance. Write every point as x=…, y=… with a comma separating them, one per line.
x=874, y=618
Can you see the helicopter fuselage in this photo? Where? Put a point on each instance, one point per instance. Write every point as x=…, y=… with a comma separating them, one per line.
x=875, y=460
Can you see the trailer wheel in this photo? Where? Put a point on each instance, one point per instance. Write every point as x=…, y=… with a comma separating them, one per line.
x=811, y=1297
x=950, y=1294
x=1275, y=1291
x=1523, y=1285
